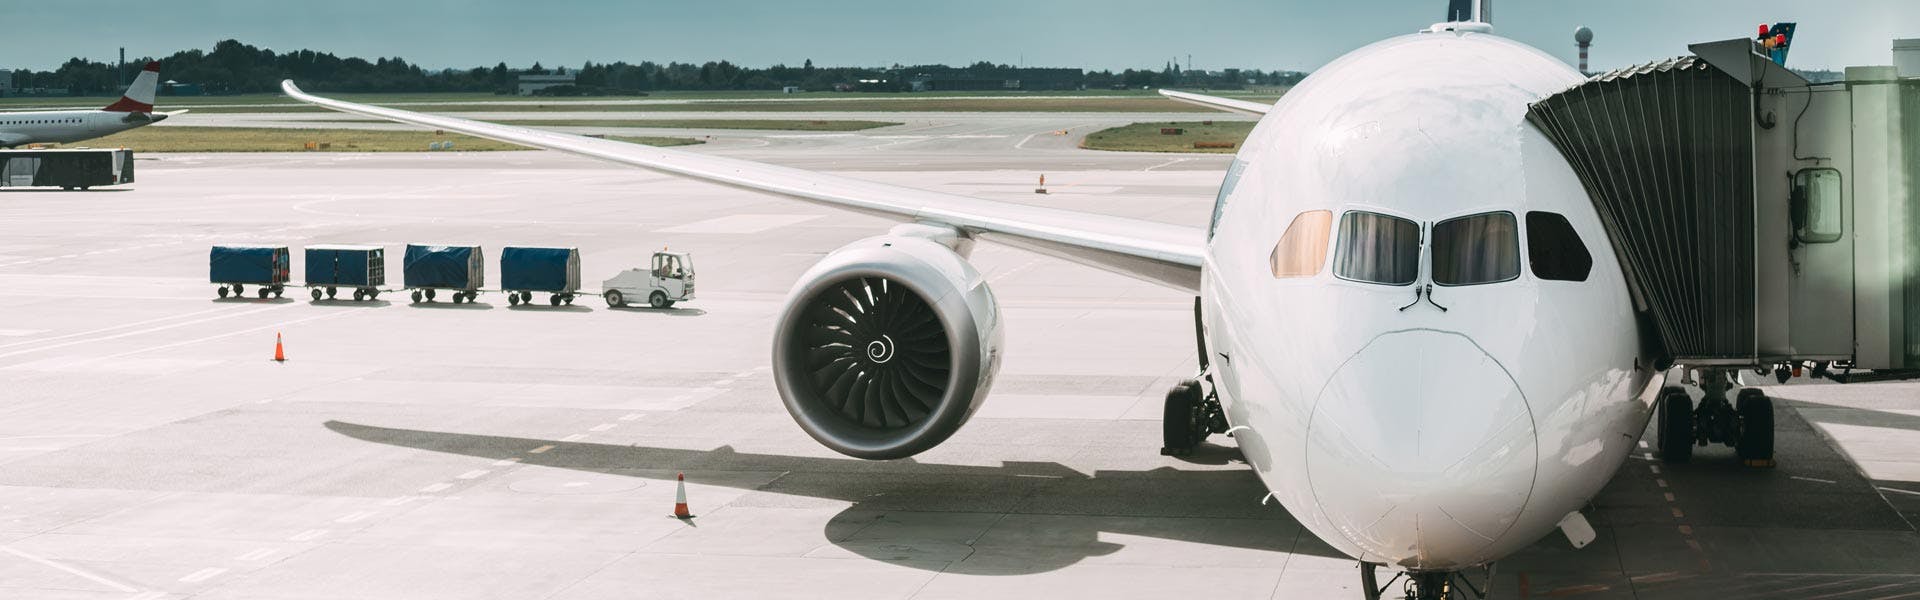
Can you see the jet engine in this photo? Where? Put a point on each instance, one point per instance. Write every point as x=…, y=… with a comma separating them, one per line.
x=887, y=346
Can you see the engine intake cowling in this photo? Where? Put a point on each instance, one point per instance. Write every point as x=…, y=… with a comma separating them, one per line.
x=887, y=346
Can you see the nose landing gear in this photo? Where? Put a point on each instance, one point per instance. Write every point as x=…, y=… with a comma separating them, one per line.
x=1425, y=585
x=1190, y=416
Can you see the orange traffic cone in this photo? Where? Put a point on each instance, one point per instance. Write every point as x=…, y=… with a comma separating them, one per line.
x=279, y=351
x=680, y=500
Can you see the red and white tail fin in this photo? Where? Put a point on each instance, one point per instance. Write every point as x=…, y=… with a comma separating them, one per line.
x=139, y=96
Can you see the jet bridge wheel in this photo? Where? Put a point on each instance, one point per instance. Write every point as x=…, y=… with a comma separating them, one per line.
x=1676, y=425
x=1755, y=444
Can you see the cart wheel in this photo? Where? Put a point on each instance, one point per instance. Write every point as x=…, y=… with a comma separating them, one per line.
x=553, y=299
x=239, y=290
x=416, y=296
x=359, y=295
x=568, y=299
x=513, y=299
x=614, y=300
x=315, y=293
x=658, y=300
x=429, y=294
x=331, y=292
x=222, y=291
x=279, y=291
x=263, y=292
x=373, y=294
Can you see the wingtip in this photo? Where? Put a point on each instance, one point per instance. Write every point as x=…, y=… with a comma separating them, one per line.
x=286, y=85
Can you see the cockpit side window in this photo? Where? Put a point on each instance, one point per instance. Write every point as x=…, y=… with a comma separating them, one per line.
x=1377, y=248
x=1554, y=249
x=1303, y=248
x=1477, y=249
x=1226, y=189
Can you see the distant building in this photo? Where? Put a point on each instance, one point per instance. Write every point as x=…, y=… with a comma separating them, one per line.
x=175, y=88
x=533, y=83
x=791, y=89
x=1009, y=79
x=6, y=82
x=1906, y=57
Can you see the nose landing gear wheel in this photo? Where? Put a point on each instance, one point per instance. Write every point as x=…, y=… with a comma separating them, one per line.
x=1187, y=419
x=1676, y=425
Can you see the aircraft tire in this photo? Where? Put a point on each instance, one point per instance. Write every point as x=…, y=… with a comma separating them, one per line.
x=1756, y=426
x=1676, y=425
x=1180, y=428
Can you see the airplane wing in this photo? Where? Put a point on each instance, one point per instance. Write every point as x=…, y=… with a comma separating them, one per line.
x=1161, y=253
x=1217, y=103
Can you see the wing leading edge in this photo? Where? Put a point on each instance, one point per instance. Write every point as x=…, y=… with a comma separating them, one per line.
x=1217, y=103
x=1162, y=253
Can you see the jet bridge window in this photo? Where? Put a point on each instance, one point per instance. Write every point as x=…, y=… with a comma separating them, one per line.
x=1303, y=248
x=1816, y=206
x=1478, y=249
x=1554, y=249
x=1376, y=248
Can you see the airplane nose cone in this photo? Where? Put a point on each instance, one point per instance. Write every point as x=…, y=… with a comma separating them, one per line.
x=1421, y=450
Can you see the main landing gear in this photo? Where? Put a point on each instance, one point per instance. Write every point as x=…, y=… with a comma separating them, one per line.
x=1191, y=415
x=1745, y=423
x=1425, y=585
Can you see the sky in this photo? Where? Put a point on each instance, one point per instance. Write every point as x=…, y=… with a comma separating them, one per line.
x=1094, y=34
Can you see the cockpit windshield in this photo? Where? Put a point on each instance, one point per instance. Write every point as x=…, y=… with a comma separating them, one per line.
x=1377, y=248
x=1477, y=249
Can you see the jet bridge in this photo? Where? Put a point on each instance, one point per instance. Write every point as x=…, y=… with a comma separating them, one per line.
x=1761, y=219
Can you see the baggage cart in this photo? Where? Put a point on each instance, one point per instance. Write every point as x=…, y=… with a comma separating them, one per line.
x=330, y=268
x=457, y=269
x=235, y=267
x=555, y=271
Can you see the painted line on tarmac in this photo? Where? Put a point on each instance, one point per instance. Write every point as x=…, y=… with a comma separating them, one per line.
x=474, y=474
x=541, y=450
x=355, y=517
x=1826, y=481
x=146, y=331
x=202, y=575
x=107, y=329
x=436, y=488
x=279, y=325
x=70, y=570
x=308, y=535
x=256, y=555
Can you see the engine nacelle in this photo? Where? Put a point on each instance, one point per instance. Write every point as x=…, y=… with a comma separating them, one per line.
x=887, y=346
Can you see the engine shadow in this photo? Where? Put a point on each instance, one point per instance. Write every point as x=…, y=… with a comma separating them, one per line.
x=542, y=307
x=1065, y=516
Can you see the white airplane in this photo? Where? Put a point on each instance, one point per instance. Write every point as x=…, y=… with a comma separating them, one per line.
x=133, y=109
x=1410, y=317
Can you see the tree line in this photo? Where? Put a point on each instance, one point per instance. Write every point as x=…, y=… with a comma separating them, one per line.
x=236, y=68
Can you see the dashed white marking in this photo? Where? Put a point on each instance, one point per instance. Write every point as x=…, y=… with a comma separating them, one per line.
x=308, y=535
x=149, y=596
x=1827, y=481
x=1654, y=468
x=1686, y=530
x=574, y=438
x=1677, y=514
x=541, y=450
x=1643, y=443
x=1669, y=496
x=506, y=462
x=256, y=555
x=723, y=382
x=354, y=518
x=436, y=488
x=70, y=570
x=1661, y=482
x=1899, y=491
x=601, y=427
x=202, y=575
x=20, y=332
x=744, y=374
x=574, y=484
x=474, y=474
x=399, y=500
x=630, y=417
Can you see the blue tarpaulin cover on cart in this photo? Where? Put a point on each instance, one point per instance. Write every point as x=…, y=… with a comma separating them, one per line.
x=260, y=265
x=346, y=266
x=444, y=267
x=540, y=269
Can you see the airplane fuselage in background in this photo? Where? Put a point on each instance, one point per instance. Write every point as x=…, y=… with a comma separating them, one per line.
x=1399, y=431
x=68, y=126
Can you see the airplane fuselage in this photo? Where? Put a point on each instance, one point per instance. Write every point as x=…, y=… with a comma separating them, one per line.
x=67, y=126
x=1438, y=407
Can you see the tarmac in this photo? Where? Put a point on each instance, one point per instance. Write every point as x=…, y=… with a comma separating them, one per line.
x=150, y=449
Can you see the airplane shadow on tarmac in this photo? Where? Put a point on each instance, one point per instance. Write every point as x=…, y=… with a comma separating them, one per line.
x=1077, y=511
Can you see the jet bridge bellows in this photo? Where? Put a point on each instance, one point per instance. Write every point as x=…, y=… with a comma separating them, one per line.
x=1759, y=218
x=1665, y=150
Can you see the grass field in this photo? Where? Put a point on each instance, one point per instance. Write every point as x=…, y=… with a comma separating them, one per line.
x=1147, y=137
x=248, y=139
x=169, y=102
x=812, y=103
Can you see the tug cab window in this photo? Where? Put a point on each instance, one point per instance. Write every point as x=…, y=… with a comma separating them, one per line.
x=1554, y=249
x=1376, y=248
x=1475, y=250
x=1303, y=248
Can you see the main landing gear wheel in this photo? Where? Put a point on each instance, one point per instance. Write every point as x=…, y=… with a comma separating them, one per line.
x=1755, y=444
x=1676, y=425
x=614, y=299
x=1426, y=585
